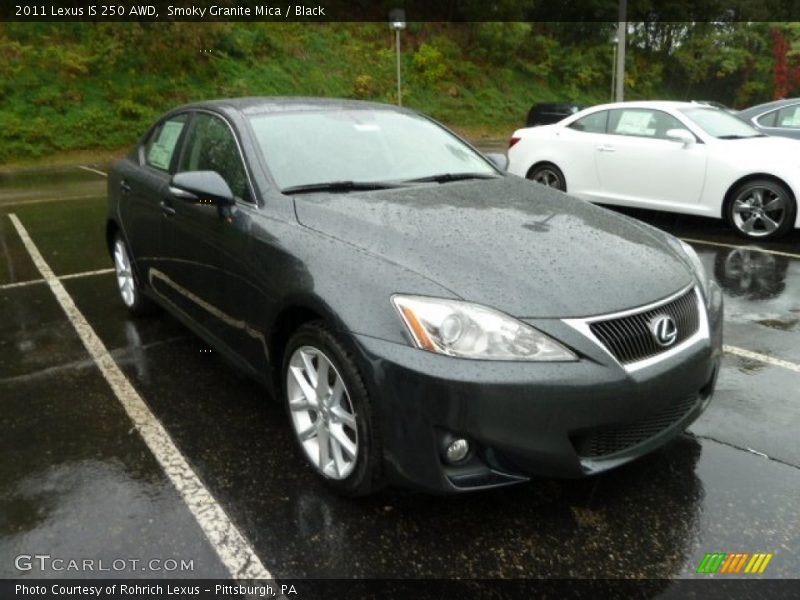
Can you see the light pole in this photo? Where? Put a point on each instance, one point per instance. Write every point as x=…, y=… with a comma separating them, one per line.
x=622, y=29
x=397, y=22
x=614, y=40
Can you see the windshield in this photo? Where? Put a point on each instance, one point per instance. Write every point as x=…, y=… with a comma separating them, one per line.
x=365, y=146
x=720, y=124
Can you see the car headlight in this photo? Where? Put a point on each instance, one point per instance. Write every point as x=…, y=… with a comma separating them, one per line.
x=469, y=330
x=697, y=264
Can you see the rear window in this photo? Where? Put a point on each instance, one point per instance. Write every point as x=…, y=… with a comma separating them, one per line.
x=594, y=123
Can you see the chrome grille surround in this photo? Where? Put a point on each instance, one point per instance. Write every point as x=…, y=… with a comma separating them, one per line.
x=626, y=337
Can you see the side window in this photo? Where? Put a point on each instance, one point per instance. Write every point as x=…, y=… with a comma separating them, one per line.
x=767, y=120
x=160, y=146
x=210, y=146
x=594, y=123
x=642, y=122
x=788, y=117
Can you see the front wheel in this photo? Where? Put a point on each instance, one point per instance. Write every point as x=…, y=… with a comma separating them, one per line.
x=761, y=209
x=330, y=411
x=548, y=175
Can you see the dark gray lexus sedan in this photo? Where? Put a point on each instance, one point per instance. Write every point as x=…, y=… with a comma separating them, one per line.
x=427, y=320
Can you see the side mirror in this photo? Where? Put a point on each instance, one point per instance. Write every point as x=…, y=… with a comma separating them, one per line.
x=681, y=135
x=500, y=160
x=203, y=187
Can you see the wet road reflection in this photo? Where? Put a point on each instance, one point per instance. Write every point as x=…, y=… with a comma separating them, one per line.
x=759, y=287
x=77, y=482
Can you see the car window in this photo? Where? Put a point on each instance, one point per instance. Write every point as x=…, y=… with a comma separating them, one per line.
x=594, y=123
x=642, y=122
x=160, y=146
x=210, y=146
x=788, y=117
x=768, y=119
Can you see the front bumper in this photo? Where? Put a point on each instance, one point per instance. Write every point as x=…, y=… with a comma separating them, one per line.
x=531, y=419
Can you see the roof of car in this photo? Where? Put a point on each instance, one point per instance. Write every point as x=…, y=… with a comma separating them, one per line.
x=660, y=104
x=759, y=108
x=272, y=104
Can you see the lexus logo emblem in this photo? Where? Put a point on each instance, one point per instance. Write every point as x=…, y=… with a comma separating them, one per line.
x=665, y=332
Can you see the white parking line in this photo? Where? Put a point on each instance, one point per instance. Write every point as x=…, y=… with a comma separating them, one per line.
x=233, y=549
x=86, y=274
x=756, y=248
x=765, y=358
x=18, y=284
x=4, y=204
x=103, y=173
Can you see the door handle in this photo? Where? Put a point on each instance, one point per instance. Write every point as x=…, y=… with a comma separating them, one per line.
x=182, y=194
x=124, y=186
x=605, y=148
x=167, y=210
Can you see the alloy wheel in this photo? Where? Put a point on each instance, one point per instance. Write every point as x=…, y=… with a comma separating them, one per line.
x=759, y=211
x=322, y=413
x=125, y=281
x=547, y=177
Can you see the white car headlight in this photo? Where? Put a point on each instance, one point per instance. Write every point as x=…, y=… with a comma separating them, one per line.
x=469, y=330
x=699, y=269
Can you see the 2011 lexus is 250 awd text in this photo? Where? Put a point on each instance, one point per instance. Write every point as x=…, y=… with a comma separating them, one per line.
x=427, y=319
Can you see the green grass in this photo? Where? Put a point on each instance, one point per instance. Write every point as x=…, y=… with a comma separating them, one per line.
x=73, y=90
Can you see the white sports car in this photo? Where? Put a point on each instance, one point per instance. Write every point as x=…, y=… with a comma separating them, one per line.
x=673, y=156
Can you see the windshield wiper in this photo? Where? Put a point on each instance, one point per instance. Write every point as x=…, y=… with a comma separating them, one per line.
x=739, y=137
x=447, y=177
x=339, y=186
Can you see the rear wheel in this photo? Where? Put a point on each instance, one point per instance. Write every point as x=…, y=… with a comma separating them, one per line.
x=129, y=289
x=761, y=209
x=549, y=175
x=330, y=411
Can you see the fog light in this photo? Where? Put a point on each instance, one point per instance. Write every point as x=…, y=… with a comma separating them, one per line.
x=457, y=450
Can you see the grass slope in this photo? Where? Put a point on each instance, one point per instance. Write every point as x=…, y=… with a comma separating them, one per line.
x=83, y=89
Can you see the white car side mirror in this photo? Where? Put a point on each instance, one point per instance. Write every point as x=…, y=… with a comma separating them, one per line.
x=681, y=135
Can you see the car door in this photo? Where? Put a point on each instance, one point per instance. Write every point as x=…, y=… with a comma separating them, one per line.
x=140, y=181
x=638, y=165
x=207, y=274
x=575, y=145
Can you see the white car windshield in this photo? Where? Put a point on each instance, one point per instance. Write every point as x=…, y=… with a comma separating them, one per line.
x=362, y=146
x=720, y=124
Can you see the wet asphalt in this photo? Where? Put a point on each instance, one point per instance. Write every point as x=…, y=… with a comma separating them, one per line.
x=77, y=481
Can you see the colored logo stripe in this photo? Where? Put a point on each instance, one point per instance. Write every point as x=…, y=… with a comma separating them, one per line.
x=758, y=563
x=733, y=563
x=711, y=563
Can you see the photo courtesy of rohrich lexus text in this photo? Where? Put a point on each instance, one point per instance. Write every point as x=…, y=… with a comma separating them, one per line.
x=398, y=299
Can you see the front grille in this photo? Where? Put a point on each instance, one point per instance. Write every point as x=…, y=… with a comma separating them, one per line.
x=629, y=338
x=604, y=441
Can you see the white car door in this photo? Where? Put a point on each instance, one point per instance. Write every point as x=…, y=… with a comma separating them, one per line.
x=639, y=166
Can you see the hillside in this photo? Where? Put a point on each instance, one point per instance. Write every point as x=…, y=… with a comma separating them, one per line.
x=97, y=86
x=93, y=87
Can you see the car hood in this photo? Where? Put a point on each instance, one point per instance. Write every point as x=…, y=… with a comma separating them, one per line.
x=507, y=243
x=767, y=149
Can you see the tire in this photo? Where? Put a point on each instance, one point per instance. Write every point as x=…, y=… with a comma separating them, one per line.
x=352, y=460
x=130, y=290
x=549, y=175
x=748, y=210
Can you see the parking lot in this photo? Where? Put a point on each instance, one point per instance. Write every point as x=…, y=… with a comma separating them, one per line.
x=185, y=459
